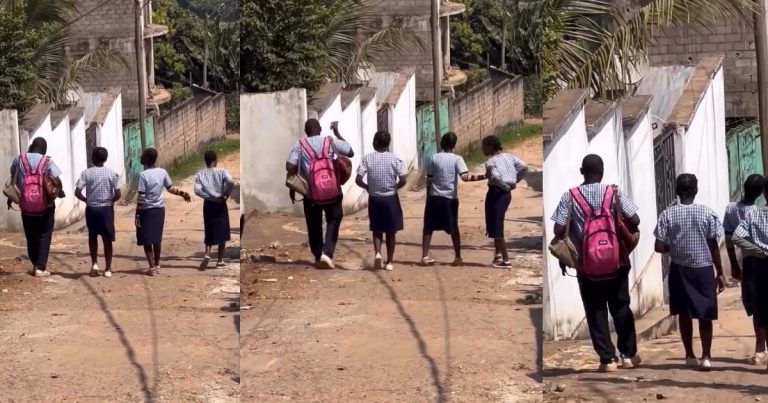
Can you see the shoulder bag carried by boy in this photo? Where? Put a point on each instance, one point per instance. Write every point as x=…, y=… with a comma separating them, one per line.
x=11, y=191
x=562, y=247
x=629, y=234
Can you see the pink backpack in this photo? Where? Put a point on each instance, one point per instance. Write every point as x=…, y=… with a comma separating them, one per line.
x=33, y=200
x=599, y=257
x=321, y=178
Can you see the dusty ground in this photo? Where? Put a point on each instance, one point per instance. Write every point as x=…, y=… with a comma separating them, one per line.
x=416, y=334
x=570, y=376
x=131, y=338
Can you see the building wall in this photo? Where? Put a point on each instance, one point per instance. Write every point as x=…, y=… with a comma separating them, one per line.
x=186, y=127
x=681, y=45
x=110, y=26
x=415, y=15
x=110, y=136
x=485, y=108
x=274, y=119
x=9, y=149
x=403, y=126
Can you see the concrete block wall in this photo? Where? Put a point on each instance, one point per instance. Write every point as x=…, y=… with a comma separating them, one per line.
x=688, y=44
x=484, y=109
x=181, y=131
x=415, y=15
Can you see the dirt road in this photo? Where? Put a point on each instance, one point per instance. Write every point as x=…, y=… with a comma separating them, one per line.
x=416, y=334
x=571, y=377
x=131, y=338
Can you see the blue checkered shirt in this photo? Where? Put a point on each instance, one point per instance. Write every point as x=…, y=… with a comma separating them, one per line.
x=34, y=159
x=754, y=228
x=502, y=170
x=686, y=229
x=211, y=183
x=735, y=213
x=593, y=193
x=383, y=172
x=100, y=184
x=297, y=156
x=152, y=182
x=443, y=170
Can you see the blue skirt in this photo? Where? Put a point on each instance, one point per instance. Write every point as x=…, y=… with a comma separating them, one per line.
x=751, y=267
x=441, y=214
x=100, y=222
x=151, y=223
x=693, y=292
x=216, y=222
x=385, y=214
x=497, y=202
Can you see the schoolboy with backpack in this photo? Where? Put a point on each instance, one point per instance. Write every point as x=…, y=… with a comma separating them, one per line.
x=318, y=167
x=600, y=223
x=36, y=178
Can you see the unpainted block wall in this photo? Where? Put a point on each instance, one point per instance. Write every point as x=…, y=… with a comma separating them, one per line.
x=736, y=42
x=485, y=108
x=186, y=127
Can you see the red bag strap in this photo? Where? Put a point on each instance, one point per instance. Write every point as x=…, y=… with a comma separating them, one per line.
x=608, y=199
x=326, y=147
x=307, y=149
x=581, y=201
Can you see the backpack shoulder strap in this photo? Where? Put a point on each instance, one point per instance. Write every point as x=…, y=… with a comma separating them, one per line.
x=579, y=199
x=25, y=163
x=307, y=149
x=326, y=147
x=42, y=165
x=608, y=199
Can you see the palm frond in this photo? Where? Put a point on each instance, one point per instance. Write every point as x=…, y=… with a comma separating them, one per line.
x=596, y=55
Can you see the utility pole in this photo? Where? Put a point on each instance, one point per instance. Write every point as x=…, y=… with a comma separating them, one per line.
x=761, y=49
x=141, y=72
x=205, y=50
x=436, y=67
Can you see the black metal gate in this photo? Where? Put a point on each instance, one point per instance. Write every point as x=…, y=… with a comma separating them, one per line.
x=382, y=123
x=664, y=164
x=90, y=144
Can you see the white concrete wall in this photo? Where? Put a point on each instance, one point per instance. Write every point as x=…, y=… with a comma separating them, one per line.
x=269, y=126
x=369, y=125
x=703, y=147
x=350, y=126
x=646, y=278
x=60, y=150
x=402, y=121
x=110, y=136
x=563, y=310
x=9, y=148
x=79, y=159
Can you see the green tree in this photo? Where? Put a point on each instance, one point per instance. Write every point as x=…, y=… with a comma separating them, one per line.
x=37, y=68
x=594, y=44
x=295, y=43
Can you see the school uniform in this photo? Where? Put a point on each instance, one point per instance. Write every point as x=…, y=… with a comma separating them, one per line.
x=38, y=228
x=686, y=229
x=600, y=297
x=100, y=184
x=735, y=213
x=501, y=170
x=210, y=185
x=313, y=212
x=383, y=171
x=752, y=236
x=441, y=212
x=151, y=213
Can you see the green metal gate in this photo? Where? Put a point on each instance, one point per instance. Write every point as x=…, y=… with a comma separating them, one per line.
x=744, y=156
x=132, y=148
x=425, y=129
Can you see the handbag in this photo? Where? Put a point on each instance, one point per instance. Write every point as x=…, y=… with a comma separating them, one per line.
x=627, y=233
x=11, y=191
x=562, y=247
x=297, y=184
x=343, y=167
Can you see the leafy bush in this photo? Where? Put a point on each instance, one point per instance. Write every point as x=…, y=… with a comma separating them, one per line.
x=535, y=96
x=232, y=106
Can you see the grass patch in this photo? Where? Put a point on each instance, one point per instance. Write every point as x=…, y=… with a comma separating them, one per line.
x=509, y=136
x=187, y=166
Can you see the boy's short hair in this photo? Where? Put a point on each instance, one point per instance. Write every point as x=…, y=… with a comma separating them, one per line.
x=99, y=155
x=686, y=185
x=448, y=141
x=149, y=157
x=381, y=140
x=210, y=157
x=753, y=186
x=492, y=142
